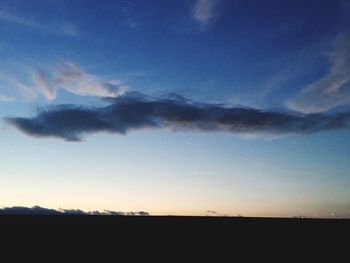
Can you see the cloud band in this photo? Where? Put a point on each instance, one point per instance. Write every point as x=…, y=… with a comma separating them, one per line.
x=130, y=112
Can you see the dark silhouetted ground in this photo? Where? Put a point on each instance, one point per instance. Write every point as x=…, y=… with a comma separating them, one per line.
x=174, y=239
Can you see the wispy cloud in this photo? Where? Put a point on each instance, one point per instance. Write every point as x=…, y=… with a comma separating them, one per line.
x=130, y=112
x=204, y=11
x=63, y=28
x=127, y=18
x=25, y=91
x=333, y=89
x=4, y=98
x=43, y=84
x=37, y=210
x=48, y=81
x=71, y=78
x=22, y=21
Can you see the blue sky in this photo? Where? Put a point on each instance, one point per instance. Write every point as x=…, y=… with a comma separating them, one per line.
x=176, y=107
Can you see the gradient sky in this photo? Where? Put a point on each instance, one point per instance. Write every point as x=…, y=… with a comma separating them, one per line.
x=285, y=57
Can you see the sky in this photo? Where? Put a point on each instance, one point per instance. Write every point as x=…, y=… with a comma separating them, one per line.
x=186, y=107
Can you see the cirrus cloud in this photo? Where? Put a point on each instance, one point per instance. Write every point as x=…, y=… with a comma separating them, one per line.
x=204, y=11
x=332, y=90
x=61, y=28
x=4, y=98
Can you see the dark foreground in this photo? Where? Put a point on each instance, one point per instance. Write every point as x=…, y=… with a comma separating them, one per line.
x=174, y=239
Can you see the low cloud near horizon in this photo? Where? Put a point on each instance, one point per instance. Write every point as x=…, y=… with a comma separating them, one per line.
x=136, y=111
x=37, y=210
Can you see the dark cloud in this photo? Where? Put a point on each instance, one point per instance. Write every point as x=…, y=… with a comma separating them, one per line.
x=37, y=210
x=136, y=111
